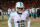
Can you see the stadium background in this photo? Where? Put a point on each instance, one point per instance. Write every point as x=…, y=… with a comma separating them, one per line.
x=11, y=3
x=5, y=4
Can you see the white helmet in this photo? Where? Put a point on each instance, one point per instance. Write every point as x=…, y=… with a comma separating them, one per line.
x=19, y=5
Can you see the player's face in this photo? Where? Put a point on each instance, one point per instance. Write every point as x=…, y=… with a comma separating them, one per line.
x=20, y=9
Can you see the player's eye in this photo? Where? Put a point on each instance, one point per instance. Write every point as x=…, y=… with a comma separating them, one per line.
x=19, y=8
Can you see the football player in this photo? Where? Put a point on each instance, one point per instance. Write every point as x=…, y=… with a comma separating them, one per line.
x=9, y=12
x=1, y=14
x=19, y=16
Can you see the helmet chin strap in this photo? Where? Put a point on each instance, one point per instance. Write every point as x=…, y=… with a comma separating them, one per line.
x=20, y=13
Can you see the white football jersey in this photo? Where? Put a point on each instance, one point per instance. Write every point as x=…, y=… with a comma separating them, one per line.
x=16, y=17
x=9, y=11
x=0, y=10
x=30, y=10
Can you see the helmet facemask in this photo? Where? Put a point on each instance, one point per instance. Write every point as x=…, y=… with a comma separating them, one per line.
x=20, y=10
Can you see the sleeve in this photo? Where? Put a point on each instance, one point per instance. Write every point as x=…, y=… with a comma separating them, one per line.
x=9, y=21
x=28, y=20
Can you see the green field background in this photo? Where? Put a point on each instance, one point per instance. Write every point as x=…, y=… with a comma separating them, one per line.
x=4, y=22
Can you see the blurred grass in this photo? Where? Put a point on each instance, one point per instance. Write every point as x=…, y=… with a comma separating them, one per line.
x=3, y=22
